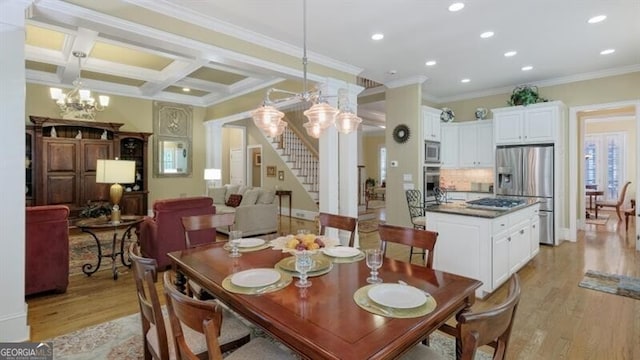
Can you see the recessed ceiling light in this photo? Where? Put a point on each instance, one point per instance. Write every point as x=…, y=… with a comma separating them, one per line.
x=430, y=63
x=456, y=7
x=486, y=34
x=510, y=53
x=186, y=89
x=527, y=68
x=465, y=80
x=377, y=36
x=607, y=52
x=597, y=19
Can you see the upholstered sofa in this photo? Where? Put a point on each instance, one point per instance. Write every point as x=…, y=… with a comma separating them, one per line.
x=256, y=214
x=163, y=233
x=47, y=249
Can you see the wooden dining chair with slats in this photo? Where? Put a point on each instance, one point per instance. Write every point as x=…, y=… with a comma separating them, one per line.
x=475, y=329
x=338, y=222
x=204, y=222
x=207, y=318
x=422, y=239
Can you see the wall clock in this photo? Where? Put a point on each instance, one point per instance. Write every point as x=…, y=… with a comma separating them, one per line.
x=401, y=133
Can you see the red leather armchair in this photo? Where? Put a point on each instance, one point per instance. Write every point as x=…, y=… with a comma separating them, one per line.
x=47, y=249
x=164, y=233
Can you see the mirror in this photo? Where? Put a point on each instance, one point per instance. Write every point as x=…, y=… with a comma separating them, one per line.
x=173, y=157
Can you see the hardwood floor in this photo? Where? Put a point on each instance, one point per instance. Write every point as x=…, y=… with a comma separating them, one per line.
x=556, y=319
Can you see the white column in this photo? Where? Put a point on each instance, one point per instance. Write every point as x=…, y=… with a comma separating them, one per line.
x=213, y=138
x=13, y=309
x=338, y=155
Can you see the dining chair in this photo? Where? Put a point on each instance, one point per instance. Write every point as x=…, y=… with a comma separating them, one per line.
x=629, y=213
x=474, y=329
x=207, y=318
x=617, y=204
x=416, y=212
x=156, y=334
x=422, y=239
x=338, y=222
x=205, y=222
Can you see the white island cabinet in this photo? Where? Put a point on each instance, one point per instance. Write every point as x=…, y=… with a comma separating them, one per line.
x=486, y=245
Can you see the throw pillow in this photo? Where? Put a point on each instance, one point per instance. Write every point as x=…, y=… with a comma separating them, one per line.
x=250, y=197
x=267, y=197
x=234, y=200
x=231, y=189
x=218, y=195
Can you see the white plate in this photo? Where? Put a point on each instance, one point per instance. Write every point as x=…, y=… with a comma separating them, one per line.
x=397, y=296
x=341, y=251
x=255, y=277
x=250, y=242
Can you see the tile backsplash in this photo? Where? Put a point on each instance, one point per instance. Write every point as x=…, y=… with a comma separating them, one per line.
x=462, y=179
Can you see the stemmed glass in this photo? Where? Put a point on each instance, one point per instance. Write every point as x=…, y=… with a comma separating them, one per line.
x=303, y=265
x=234, y=239
x=374, y=262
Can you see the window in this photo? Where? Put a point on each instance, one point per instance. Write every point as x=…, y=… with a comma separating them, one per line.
x=383, y=164
x=604, y=162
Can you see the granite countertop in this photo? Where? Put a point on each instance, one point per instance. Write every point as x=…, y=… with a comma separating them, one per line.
x=461, y=208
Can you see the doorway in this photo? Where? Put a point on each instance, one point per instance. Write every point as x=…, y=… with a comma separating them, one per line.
x=254, y=165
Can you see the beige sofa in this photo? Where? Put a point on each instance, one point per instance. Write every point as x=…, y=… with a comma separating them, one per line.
x=257, y=213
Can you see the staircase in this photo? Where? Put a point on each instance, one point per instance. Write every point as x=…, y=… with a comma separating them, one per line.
x=301, y=160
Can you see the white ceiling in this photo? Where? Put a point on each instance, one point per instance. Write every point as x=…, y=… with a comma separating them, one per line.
x=553, y=36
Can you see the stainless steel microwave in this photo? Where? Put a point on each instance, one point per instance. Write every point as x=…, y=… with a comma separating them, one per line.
x=431, y=152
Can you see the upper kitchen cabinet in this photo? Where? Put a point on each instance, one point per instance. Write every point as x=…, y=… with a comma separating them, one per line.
x=431, y=124
x=449, y=145
x=537, y=123
x=476, y=144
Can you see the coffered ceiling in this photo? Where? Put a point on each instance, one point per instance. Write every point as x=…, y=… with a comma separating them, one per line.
x=223, y=49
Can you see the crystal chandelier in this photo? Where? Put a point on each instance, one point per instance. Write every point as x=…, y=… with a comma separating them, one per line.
x=78, y=103
x=321, y=115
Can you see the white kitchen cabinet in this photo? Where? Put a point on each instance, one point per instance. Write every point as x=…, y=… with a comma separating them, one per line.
x=537, y=123
x=519, y=245
x=449, y=146
x=476, y=144
x=431, y=124
x=535, y=235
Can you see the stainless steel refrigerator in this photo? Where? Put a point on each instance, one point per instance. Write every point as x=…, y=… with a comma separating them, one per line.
x=527, y=171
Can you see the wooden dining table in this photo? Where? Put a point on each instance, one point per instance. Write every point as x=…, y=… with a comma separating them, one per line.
x=323, y=321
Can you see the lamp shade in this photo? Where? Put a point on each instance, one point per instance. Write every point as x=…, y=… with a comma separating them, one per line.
x=115, y=171
x=212, y=174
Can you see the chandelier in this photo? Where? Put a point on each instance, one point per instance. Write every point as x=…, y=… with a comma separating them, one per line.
x=78, y=103
x=320, y=115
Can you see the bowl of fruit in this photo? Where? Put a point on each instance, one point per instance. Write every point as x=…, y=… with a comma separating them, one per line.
x=309, y=242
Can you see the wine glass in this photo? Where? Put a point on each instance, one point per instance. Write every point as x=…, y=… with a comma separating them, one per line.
x=303, y=265
x=374, y=262
x=234, y=239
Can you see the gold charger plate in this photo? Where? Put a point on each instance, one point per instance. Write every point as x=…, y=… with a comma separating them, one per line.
x=321, y=266
x=285, y=280
x=227, y=247
x=362, y=299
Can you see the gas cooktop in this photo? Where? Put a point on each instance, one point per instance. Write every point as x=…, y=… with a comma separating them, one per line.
x=495, y=203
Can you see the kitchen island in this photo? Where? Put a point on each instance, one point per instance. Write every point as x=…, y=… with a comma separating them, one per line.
x=484, y=244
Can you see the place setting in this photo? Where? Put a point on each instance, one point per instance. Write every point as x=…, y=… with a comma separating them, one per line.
x=237, y=244
x=320, y=265
x=343, y=254
x=256, y=281
x=396, y=300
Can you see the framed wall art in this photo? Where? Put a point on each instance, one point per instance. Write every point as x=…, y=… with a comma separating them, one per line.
x=271, y=171
x=257, y=159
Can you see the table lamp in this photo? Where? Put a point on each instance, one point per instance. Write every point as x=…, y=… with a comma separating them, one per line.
x=211, y=174
x=115, y=172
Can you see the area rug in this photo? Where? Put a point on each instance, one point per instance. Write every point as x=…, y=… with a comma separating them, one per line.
x=376, y=204
x=368, y=226
x=612, y=283
x=120, y=339
x=83, y=250
x=601, y=220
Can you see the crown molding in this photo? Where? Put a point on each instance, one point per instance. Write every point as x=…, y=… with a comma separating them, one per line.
x=406, y=81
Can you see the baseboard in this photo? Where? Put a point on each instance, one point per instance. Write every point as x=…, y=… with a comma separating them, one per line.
x=564, y=234
x=14, y=328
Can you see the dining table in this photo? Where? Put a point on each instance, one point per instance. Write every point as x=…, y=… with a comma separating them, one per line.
x=324, y=321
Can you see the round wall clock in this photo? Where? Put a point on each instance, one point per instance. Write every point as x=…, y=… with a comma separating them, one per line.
x=401, y=133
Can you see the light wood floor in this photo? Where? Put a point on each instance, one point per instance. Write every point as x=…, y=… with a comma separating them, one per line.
x=556, y=319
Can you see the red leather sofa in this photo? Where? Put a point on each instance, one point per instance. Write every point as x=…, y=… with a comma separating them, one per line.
x=47, y=249
x=164, y=233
